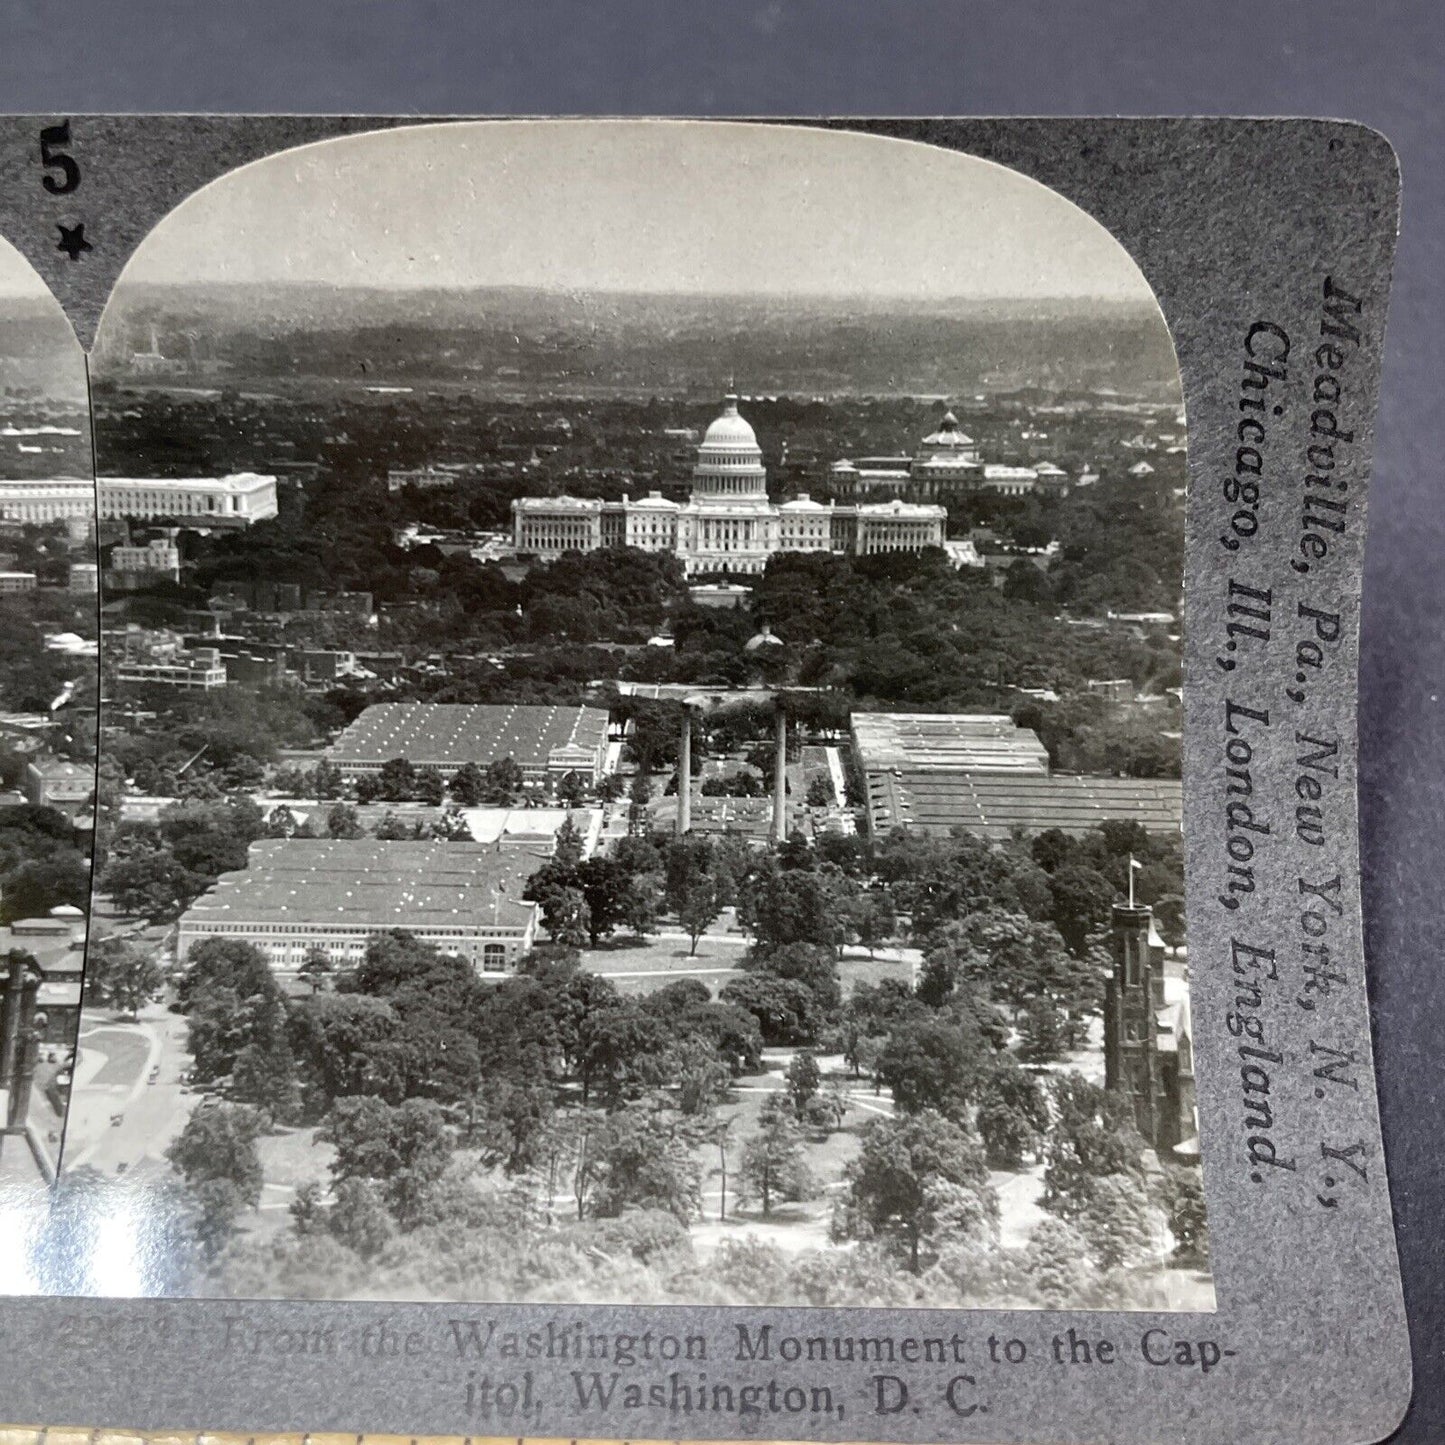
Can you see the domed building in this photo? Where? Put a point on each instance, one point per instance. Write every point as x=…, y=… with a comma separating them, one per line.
x=728, y=525
x=946, y=465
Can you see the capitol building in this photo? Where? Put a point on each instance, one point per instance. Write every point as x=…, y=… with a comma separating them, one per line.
x=728, y=525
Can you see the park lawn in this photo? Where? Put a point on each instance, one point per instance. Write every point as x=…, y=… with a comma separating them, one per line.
x=856, y=967
x=293, y=1157
x=826, y=1155
x=125, y=1048
x=660, y=961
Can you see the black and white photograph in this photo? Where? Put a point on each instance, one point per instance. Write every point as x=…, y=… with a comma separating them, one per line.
x=640, y=734
x=48, y=651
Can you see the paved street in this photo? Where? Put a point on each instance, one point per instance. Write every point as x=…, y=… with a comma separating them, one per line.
x=114, y=1064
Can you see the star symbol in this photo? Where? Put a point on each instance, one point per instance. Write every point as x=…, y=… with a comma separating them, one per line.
x=72, y=240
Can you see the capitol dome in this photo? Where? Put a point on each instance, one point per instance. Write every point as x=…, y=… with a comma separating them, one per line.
x=729, y=466
x=730, y=429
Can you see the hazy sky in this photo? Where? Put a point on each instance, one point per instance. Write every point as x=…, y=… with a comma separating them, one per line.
x=17, y=276
x=639, y=206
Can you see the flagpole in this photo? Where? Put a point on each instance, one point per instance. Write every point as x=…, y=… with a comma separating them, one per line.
x=1131, y=880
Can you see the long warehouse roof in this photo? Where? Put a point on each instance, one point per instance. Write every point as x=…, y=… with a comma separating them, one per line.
x=992, y=806
x=367, y=883
x=450, y=734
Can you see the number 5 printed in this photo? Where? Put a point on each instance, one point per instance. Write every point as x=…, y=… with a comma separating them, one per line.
x=54, y=157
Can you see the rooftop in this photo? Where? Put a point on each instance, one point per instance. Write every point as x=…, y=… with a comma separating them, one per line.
x=949, y=434
x=964, y=742
x=57, y=770
x=730, y=429
x=993, y=806
x=366, y=883
x=450, y=734
x=897, y=508
x=557, y=504
x=56, y=953
x=235, y=482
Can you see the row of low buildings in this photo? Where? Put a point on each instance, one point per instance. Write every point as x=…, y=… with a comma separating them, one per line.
x=934, y=772
x=208, y=659
x=930, y=772
x=728, y=525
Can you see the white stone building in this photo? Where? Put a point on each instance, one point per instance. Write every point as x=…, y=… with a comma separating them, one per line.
x=56, y=499
x=946, y=465
x=729, y=524
x=159, y=557
x=239, y=499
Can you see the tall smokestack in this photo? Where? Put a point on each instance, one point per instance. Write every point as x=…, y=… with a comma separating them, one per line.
x=684, y=773
x=780, y=779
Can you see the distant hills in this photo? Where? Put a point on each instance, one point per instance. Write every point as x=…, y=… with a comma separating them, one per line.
x=39, y=355
x=505, y=339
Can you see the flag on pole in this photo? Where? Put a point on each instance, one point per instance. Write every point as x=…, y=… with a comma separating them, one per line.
x=1134, y=866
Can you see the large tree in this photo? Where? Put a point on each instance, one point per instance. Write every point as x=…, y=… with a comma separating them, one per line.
x=1009, y=958
x=786, y=1010
x=429, y=786
x=698, y=908
x=804, y=1080
x=342, y=821
x=1082, y=900
x=772, y=1166
x=148, y=882
x=893, y=1192
x=469, y=786
x=504, y=783
x=641, y=902
x=798, y=905
x=125, y=974
x=1118, y=1222
x=623, y=1051
x=215, y=1153
x=403, y=1150
x=215, y=963
x=316, y=967
x=1093, y=1137
x=872, y=918
x=263, y=1072
x=338, y=1040
x=1056, y=1265
x=397, y=780
x=565, y=916
x=603, y=883
x=645, y=1159
x=935, y=1065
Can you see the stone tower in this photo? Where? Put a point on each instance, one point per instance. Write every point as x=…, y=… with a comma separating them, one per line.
x=1134, y=1065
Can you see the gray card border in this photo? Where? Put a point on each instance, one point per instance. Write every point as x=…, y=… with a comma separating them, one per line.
x=1233, y=223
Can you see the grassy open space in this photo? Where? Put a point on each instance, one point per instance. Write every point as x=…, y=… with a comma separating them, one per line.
x=640, y=967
